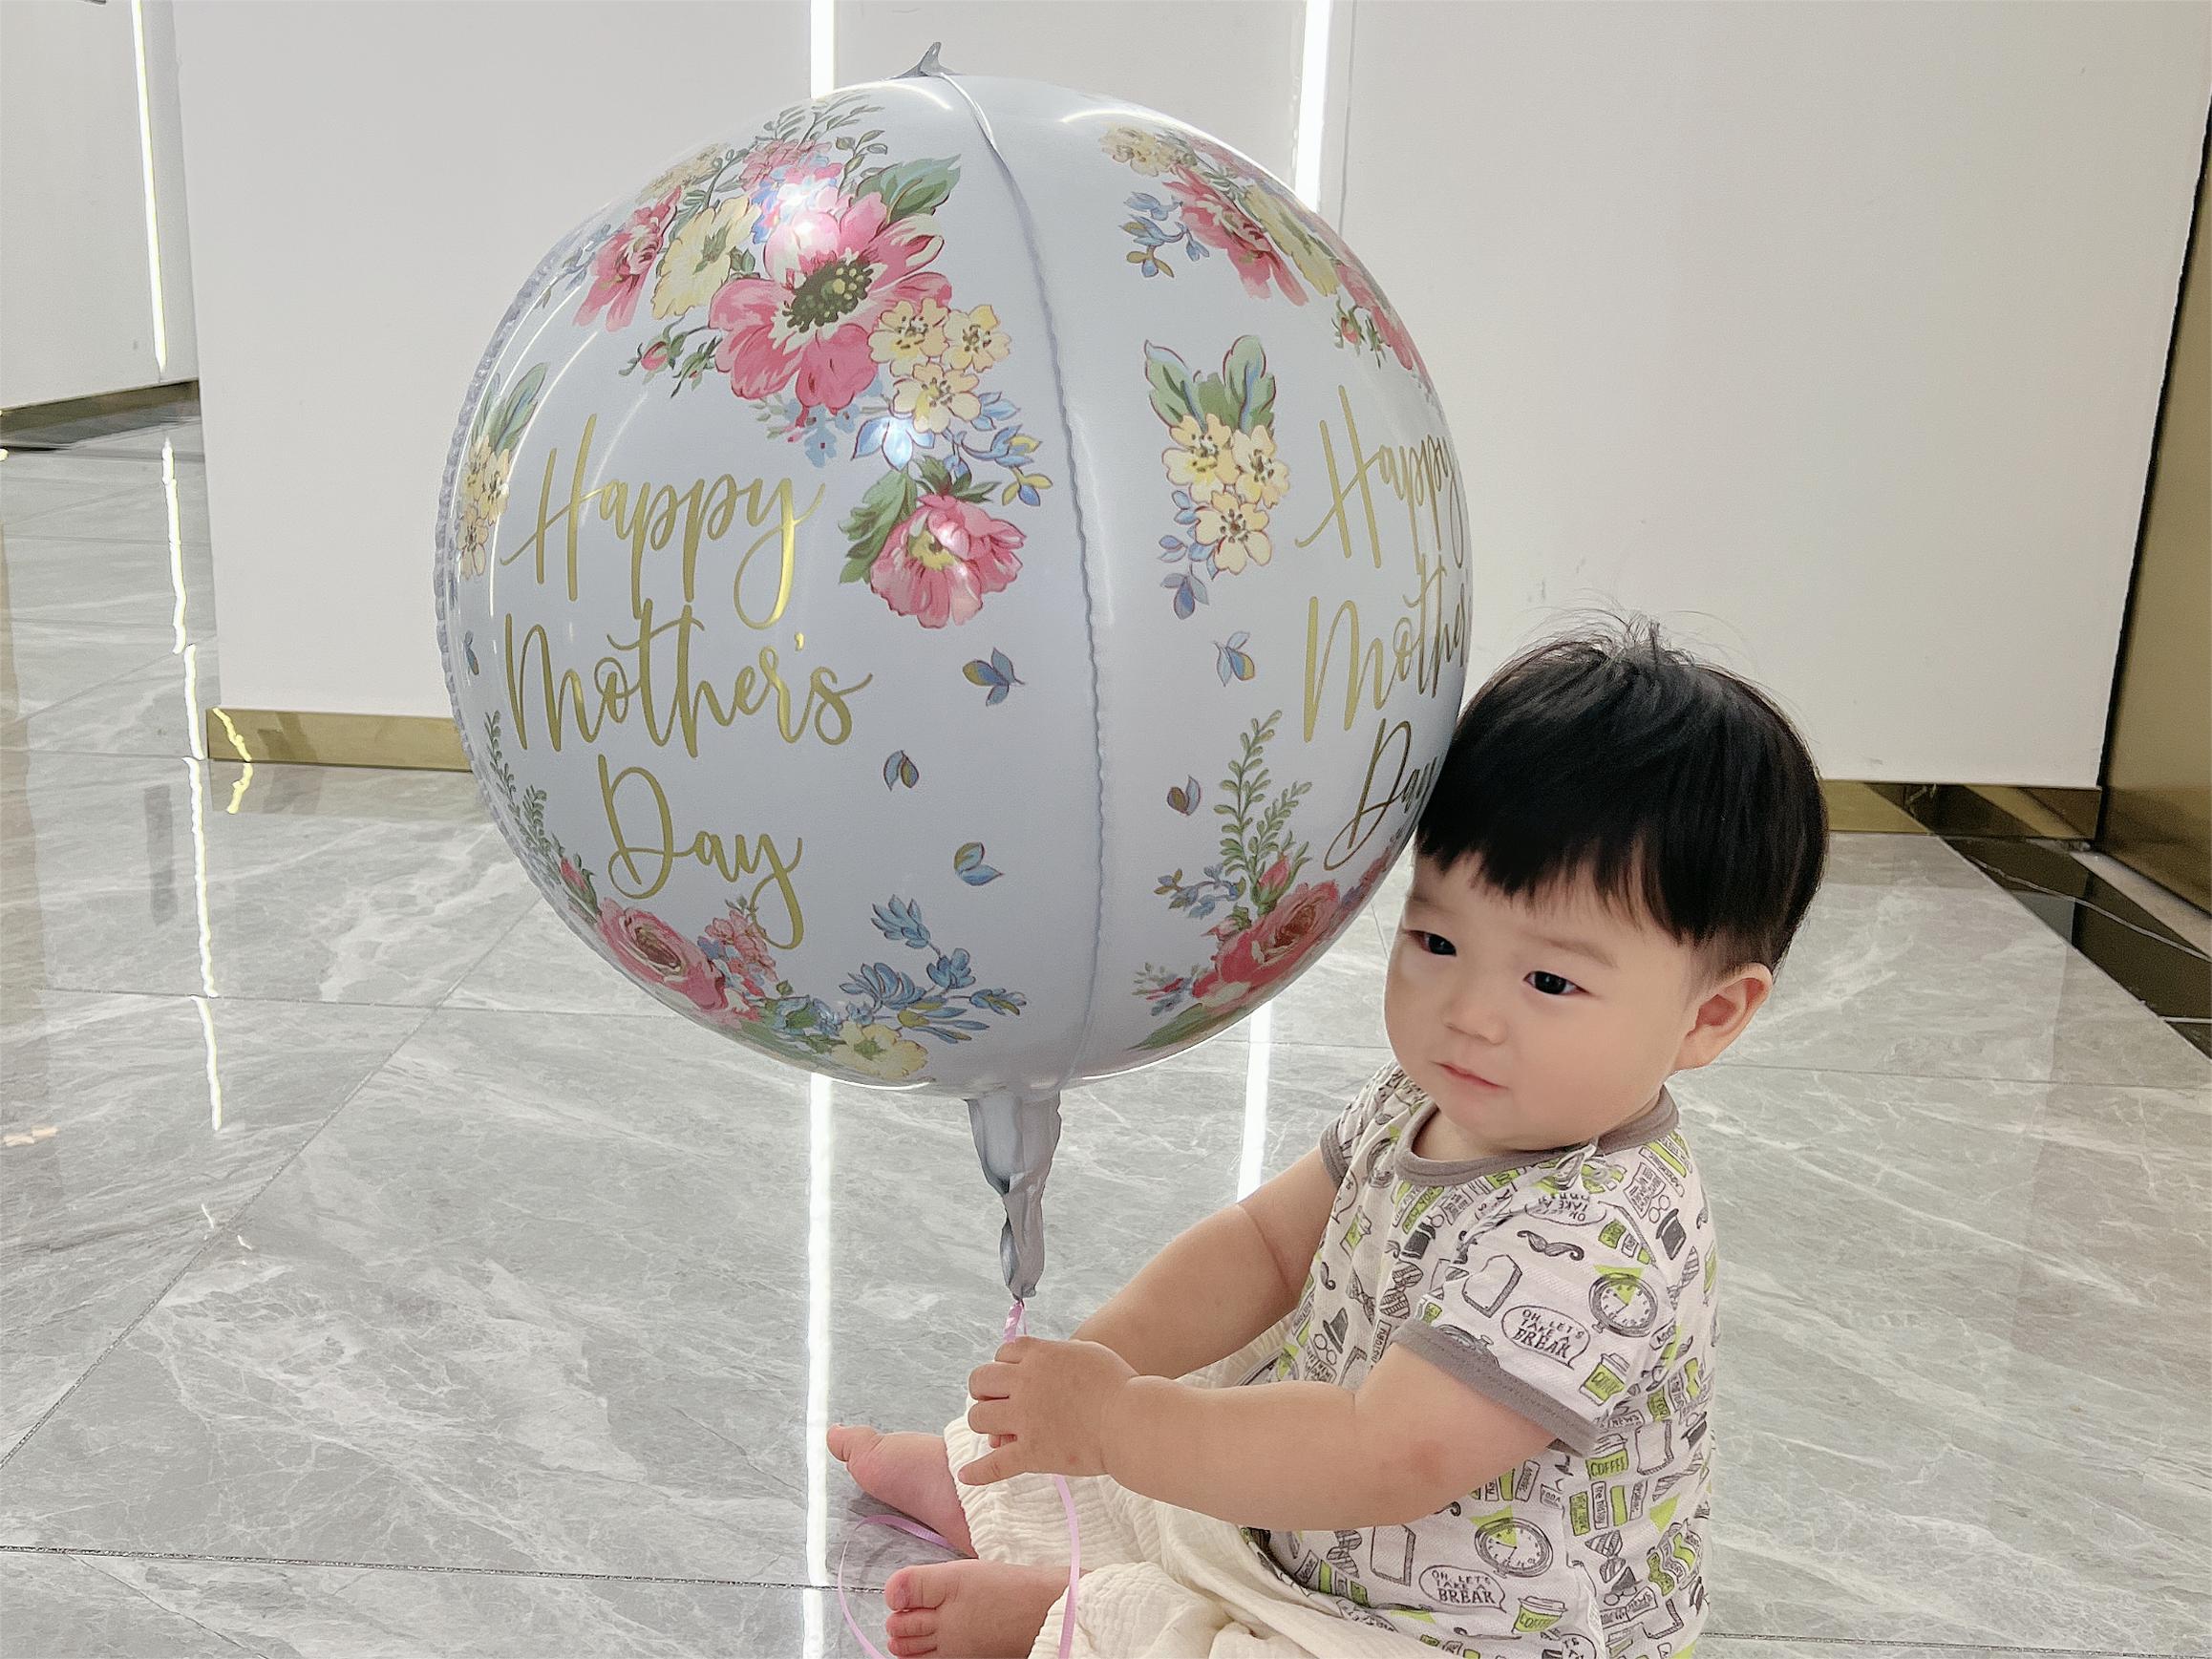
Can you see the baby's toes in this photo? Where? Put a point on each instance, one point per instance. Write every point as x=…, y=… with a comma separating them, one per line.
x=915, y=1592
x=912, y=1625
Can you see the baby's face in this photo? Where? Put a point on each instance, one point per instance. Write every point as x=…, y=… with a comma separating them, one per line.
x=1543, y=1023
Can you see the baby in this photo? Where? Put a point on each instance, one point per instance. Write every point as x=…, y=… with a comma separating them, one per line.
x=1487, y=1421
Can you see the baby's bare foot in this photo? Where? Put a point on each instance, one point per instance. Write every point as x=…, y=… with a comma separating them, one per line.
x=908, y=1472
x=970, y=1610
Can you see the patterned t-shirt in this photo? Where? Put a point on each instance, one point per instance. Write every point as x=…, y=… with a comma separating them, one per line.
x=1575, y=1287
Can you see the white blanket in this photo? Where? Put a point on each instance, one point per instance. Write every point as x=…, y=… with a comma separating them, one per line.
x=1160, y=1582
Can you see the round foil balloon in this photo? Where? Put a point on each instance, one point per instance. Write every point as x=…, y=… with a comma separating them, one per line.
x=962, y=586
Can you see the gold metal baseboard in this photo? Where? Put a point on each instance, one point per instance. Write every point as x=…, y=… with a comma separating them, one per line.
x=403, y=742
x=424, y=743
x=1863, y=809
x=2002, y=810
x=75, y=419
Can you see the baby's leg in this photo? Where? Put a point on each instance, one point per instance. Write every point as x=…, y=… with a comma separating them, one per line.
x=911, y=1473
x=970, y=1610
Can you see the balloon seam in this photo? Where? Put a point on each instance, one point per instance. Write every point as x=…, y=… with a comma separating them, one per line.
x=1075, y=495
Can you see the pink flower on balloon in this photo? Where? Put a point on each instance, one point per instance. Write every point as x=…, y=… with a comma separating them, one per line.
x=620, y=269
x=1361, y=289
x=660, y=956
x=939, y=561
x=746, y=953
x=786, y=163
x=1273, y=945
x=832, y=265
x=1220, y=220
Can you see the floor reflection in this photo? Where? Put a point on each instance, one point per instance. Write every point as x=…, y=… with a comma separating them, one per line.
x=382, y=1275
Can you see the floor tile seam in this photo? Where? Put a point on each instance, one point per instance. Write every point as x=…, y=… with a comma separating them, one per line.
x=32, y=533
x=2014, y=885
x=226, y=997
x=1732, y=1065
x=1962, y=1077
x=108, y=629
x=1382, y=1052
x=73, y=1552
x=107, y=685
x=154, y=1601
x=656, y=1015
x=419, y=1008
x=505, y=933
x=149, y=543
x=76, y=752
x=231, y=1222
x=1961, y=1648
x=248, y=1002
x=15, y=522
x=406, y=1567
x=83, y=450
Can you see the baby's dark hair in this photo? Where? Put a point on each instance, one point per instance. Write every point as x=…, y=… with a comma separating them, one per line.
x=1679, y=790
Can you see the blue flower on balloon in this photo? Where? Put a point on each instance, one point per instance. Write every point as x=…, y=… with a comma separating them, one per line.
x=894, y=435
x=825, y=436
x=883, y=985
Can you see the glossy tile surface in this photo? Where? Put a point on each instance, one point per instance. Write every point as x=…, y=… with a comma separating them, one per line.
x=308, y=883
x=359, y=1223
x=136, y=1130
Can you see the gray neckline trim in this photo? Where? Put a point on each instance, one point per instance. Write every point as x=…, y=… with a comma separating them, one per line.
x=1656, y=1121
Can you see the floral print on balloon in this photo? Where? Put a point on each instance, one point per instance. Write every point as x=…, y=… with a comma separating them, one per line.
x=1212, y=200
x=1274, y=922
x=727, y=972
x=500, y=419
x=1224, y=473
x=799, y=271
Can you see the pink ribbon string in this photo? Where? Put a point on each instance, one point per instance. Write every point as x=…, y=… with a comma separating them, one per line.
x=1016, y=1325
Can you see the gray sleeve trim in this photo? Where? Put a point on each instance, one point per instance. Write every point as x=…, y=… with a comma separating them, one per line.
x=1338, y=1161
x=1479, y=1371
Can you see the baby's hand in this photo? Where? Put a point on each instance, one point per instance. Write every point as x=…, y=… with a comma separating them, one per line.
x=1044, y=1405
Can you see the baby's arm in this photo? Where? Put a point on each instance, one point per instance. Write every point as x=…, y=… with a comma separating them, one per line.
x=1312, y=1456
x=1222, y=1283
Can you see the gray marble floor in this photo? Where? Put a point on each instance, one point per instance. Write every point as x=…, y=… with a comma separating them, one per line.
x=383, y=1276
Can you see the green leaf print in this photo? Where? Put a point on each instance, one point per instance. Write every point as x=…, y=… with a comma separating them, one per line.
x=889, y=500
x=1173, y=394
x=912, y=187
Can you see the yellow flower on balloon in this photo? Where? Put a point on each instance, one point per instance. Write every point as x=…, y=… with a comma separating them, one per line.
x=1202, y=460
x=879, y=1051
x=693, y=169
x=932, y=396
x=909, y=332
x=1150, y=153
x=974, y=339
x=1261, y=474
x=484, y=497
x=699, y=258
x=1236, y=530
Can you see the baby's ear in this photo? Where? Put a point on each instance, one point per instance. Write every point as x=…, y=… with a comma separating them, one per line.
x=1720, y=1017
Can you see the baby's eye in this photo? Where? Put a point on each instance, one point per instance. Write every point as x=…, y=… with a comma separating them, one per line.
x=1434, y=943
x=1552, y=984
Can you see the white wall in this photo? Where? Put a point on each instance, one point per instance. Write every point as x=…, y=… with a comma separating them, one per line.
x=1832, y=334
x=77, y=285
x=372, y=183
x=1227, y=66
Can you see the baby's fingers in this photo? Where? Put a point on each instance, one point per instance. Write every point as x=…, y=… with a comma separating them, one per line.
x=996, y=1467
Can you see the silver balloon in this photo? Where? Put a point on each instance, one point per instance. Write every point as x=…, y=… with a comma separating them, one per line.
x=962, y=586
